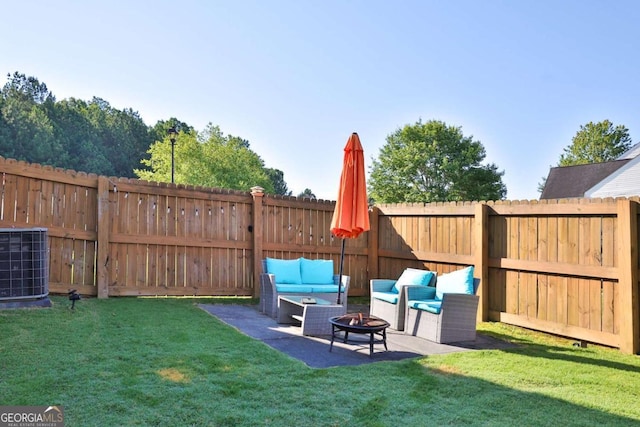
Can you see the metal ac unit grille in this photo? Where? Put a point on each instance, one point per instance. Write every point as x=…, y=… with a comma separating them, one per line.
x=24, y=272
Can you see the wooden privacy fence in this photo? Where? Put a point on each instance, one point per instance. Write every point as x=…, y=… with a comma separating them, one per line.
x=117, y=237
x=569, y=267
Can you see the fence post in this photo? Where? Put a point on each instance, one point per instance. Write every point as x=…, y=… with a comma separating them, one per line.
x=481, y=258
x=372, y=250
x=628, y=277
x=102, y=256
x=258, y=194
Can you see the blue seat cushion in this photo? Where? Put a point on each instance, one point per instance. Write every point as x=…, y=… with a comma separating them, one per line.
x=390, y=297
x=432, y=306
x=413, y=276
x=293, y=289
x=456, y=282
x=287, y=271
x=316, y=271
x=326, y=289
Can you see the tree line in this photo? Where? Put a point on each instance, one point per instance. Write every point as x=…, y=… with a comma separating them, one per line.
x=85, y=136
x=421, y=162
x=94, y=137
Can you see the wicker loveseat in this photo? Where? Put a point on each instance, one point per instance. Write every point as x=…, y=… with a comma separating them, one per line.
x=445, y=313
x=301, y=276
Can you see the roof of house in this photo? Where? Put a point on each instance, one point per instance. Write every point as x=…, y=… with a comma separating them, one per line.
x=631, y=153
x=572, y=181
x=624, y=182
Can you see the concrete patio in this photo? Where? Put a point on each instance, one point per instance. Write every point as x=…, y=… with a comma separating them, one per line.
x=314, y=351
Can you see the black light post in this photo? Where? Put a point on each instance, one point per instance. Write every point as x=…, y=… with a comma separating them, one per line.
x=172, y=137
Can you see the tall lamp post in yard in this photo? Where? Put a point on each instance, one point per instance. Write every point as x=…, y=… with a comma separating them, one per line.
x=172, y=137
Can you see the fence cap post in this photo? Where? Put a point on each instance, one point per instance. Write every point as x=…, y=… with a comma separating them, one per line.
x=257, y=191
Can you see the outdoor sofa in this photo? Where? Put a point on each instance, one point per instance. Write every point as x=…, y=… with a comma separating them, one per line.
x=445, y=313
x=301, y=276
x=387, y=297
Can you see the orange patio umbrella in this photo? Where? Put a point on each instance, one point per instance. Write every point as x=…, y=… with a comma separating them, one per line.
x=351, y=214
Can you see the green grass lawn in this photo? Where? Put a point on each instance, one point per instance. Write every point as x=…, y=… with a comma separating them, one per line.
x=165, y=362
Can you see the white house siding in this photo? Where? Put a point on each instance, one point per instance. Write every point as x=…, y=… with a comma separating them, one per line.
x=624, y=182
x=631, y=153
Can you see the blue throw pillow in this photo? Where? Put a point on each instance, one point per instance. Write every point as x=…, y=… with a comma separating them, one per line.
x=413, y=276
x=456, y=282
x=285, y=270
x=317, y=271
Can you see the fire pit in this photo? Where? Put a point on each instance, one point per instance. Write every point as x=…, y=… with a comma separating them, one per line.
x=358, y=323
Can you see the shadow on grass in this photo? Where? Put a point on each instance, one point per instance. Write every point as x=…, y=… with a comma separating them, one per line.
x=554, y=352
x=474, y=401
x=436, y=393
x=138, y=362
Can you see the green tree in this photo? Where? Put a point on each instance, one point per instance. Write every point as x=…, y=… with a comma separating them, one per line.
x=28, y=132
x=596, y=143
x=308, y=194
x=92, y=136
x=208, y=159
x=277, y=179
x=431, y=162
x=159, y=130
x=27, y=88
x=74, y=134
x=123, y=137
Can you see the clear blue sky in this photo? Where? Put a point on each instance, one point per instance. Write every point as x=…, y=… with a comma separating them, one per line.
x=296, y=77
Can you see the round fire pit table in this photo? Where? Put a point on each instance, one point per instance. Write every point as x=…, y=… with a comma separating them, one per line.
x=357, y=323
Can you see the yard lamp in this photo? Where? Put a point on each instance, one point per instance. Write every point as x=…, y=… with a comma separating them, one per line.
x=172, y=137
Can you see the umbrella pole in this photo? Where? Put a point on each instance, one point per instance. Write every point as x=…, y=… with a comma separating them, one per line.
x=341, y=266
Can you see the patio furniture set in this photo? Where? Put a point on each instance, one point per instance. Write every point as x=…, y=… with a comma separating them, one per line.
x=305, y=292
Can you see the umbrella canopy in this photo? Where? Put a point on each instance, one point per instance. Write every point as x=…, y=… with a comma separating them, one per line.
x=351, y=214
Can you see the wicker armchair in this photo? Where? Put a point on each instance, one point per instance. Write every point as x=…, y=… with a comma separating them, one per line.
x=392, y=312
x=387, y=297
x=454, y=321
